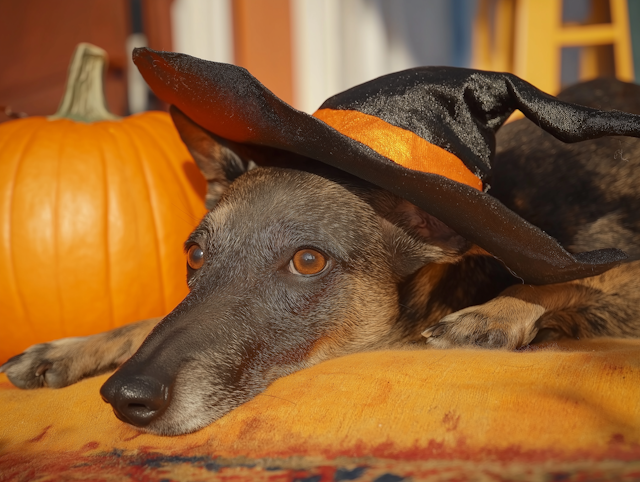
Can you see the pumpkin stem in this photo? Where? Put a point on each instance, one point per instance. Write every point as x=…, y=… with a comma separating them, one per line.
x=84, y=99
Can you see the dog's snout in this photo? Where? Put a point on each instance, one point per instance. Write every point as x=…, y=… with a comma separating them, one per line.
x=137, y=400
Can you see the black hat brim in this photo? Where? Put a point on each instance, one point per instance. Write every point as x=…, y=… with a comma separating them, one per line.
x=231, y=103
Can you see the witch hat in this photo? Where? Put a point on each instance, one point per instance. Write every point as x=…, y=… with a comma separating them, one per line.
x=426, y=134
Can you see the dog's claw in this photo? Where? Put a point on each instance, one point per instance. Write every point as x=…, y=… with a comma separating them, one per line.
x=43, y=367
x=434, y=331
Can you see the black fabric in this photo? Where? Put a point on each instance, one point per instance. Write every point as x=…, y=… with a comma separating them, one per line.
x=229, y=102
x=460, y=110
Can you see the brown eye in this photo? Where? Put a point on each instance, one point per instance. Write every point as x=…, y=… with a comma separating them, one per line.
x=195, y=257
x=307, y=262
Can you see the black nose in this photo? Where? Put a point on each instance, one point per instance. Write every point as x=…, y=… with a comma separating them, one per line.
x=137, y=400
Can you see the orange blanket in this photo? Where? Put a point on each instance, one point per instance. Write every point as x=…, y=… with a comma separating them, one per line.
x=570, y=408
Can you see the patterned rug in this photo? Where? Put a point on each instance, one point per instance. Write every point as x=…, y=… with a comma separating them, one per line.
x=565, y=412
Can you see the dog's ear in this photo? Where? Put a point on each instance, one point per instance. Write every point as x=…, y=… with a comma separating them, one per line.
x=221, y=161
x=417, y=238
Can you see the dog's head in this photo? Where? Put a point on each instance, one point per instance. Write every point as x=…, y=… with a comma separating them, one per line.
x=289, y=268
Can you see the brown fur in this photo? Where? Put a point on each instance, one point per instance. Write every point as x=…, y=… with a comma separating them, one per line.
x=63, y=362
x=604, y=305
x=396, y=277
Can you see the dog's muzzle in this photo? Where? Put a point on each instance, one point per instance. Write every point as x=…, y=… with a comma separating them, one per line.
x=137, y=400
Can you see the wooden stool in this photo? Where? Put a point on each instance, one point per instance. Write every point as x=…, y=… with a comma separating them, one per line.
x=526, y=37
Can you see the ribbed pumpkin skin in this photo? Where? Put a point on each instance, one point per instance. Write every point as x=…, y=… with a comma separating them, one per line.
x=92, y=222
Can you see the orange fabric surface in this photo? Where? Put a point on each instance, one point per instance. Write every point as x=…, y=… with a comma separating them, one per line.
x=574, y=401
x=400, y=145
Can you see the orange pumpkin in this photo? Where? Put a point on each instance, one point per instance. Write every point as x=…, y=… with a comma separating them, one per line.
x=93, y=213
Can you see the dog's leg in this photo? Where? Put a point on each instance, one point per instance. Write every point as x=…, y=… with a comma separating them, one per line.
x=605, y=305
x=69, y=360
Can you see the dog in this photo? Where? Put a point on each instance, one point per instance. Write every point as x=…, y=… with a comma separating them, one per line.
x=292, y=267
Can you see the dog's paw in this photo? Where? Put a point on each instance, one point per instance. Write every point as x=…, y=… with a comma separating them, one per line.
x=44, y=365
x=502, y=323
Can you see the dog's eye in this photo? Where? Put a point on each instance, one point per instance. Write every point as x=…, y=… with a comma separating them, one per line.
x=307, y=262
x=195, y=257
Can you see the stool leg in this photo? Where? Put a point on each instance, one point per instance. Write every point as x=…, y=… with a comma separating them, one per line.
x=597, y=60
x=493, y=35
x=482, y=36
x=622, y=44
x=505, y=14
x=536, y=49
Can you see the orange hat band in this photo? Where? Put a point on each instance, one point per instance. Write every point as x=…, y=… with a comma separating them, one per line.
x=400, y=145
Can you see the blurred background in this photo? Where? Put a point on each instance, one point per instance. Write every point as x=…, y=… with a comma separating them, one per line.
x=308, y=50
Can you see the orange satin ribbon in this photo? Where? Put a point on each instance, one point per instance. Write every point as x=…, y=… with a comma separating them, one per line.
x=400, y=145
